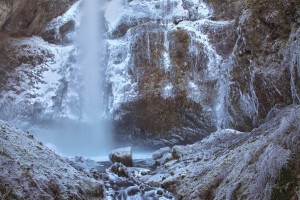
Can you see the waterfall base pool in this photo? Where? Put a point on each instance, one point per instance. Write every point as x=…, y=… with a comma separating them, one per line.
x=72, y=139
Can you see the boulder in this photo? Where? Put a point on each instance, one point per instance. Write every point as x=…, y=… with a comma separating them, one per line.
x=178, y=151
x=122, y=155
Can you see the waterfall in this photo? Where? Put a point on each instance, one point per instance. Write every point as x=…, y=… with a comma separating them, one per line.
x=91, y=46
x=85, y=130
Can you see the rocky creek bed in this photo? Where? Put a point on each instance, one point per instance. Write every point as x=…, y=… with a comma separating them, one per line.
x=261, y=164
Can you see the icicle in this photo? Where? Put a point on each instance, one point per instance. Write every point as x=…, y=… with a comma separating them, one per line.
x=255, y=103
x=223, y=88
x=167, y=63
x=294, y=63
x=224, y=80
x=148, y=47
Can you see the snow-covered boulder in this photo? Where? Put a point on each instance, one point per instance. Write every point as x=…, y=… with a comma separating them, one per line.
x=121, y=155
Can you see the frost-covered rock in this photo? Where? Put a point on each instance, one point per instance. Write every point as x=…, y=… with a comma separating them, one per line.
x=261, y=71
x=168, y=68
x=126, y=183
x=162, y=155
x=205, y=56
x=62, y=30
x=122, y=155
x=161, y=152
x=135, y=192
x=166, y=158
x=29, y=170
x=38, y=77
x=35, y=78
x=252, y=99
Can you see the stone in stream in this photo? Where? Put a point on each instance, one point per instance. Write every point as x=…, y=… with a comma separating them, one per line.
x=122, y=155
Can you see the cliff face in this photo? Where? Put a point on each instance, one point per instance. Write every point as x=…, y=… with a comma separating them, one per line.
x=176, y=69
x=204, y=65
x=171, y=66
x=263, y=69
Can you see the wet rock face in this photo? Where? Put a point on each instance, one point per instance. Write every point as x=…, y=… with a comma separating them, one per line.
x=155, y=117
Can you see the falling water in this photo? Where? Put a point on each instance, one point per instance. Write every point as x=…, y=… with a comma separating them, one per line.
x=91, y=46
x=88, y=134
